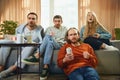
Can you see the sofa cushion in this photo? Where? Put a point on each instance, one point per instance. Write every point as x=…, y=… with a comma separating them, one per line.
x=108, y=61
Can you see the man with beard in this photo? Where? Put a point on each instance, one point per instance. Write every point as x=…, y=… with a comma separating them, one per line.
x=24, y=29
x=77, y=59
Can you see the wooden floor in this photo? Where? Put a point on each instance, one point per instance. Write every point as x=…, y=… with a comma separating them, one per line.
x=58, y=77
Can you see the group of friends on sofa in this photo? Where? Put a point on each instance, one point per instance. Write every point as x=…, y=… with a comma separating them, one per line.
x=76, y=48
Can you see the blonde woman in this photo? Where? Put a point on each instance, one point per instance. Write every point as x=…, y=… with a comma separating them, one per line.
x=94, y=33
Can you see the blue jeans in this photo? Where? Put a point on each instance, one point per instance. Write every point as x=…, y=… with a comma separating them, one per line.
x=5, y=51
x=84, y=73
x=47, y=47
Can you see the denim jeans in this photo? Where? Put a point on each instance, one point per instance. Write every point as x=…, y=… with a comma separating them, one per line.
x=47, y=47
x=26, y=52
x=96, y=43
x=84, y=73
x=5, y=51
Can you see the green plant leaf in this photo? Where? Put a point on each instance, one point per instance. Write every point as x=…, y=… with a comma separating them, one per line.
x=8, y=27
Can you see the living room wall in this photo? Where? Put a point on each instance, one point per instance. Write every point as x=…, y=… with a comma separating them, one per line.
x=17, y=10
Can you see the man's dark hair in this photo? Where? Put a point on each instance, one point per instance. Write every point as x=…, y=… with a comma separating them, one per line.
x=57, y=16
x=66, y=35
x=33, y=14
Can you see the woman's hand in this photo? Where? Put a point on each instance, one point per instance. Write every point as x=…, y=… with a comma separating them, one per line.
x=96, y=35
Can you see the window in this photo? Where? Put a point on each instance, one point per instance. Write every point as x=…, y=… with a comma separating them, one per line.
x=68, y=9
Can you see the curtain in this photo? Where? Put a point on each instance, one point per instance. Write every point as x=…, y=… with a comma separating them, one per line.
x=17, y=10
x=107, y=12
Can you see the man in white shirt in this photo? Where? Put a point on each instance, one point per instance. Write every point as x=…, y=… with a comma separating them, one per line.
x=37, y=35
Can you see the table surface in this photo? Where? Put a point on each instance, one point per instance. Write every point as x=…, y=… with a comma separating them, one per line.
x=19, y=44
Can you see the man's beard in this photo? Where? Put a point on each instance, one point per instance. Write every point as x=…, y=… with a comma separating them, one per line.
x=57, y=26
x=32, y=26
x=75, y=41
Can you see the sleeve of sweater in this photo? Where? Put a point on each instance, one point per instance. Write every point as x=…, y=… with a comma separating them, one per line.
x=18, y=29
x=48, y=30
x=93, y=59
x=61, y=55
x=104, y=33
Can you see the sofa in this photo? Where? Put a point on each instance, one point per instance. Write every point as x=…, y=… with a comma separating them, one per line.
x=108, y=62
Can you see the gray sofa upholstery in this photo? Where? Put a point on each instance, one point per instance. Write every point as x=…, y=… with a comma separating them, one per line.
x=108, y=62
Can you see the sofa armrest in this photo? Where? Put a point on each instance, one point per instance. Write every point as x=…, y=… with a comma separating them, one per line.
x=108, y=61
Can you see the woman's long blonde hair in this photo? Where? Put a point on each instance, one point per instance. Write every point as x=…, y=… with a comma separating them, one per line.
x=89, y=31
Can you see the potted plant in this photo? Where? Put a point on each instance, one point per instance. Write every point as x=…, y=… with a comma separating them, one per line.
x=8, y=27
x=117, y=33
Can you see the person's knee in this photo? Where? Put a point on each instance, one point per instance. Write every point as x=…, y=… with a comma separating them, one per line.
x=91, y=74
x=50, y=44
x=47, y=36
